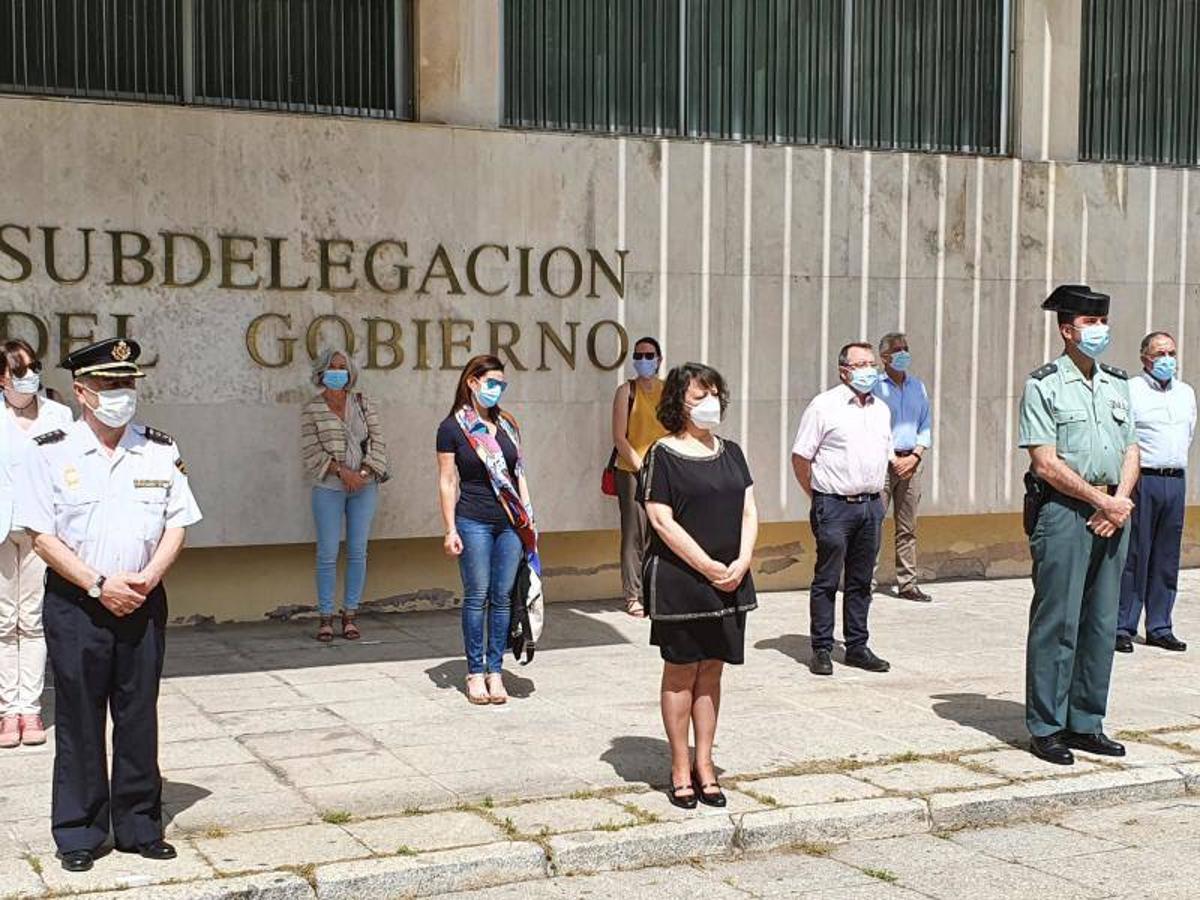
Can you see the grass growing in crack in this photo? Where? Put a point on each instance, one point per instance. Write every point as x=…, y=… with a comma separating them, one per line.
x=412, y=811
x=1131, y=734
x=613, y=826
x=882, y=875
x=643, y=817
x=583, y=795
x=764, y=799
x=509, y=827
x=309, y=873
x=405, y=850
x=908, y=757
x=215, y=831
x=335, y=816
x=34, y=862
x=813, y=848
x=487, y=802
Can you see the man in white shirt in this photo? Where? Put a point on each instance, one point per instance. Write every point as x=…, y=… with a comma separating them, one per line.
x=841, y=457
x=1164, y=411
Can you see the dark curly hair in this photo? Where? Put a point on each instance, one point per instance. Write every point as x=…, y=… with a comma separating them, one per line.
x=672, y=408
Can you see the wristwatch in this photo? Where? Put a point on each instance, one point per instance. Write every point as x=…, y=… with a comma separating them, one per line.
x=98, y=588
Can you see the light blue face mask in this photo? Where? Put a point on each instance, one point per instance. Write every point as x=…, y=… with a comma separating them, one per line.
x=645, y=367
x=490, y=392
x=1093, y=340
x=1164, y=368
x=335, y=379
x=864, y=380
x=901, y=360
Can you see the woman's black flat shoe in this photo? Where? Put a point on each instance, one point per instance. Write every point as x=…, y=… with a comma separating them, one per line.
x=708, y=798
x=682, y=802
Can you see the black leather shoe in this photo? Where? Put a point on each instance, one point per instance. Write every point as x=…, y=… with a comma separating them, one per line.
x=821, y=663
x=1166, y=641
x=78, y=860
x=160, y=850
x=915, y=594
x=1124, y=643
x=863, y=658
x=1052, y=749
x=1100, y=744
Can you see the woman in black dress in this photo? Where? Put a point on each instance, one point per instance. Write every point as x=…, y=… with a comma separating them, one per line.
x=697, y=585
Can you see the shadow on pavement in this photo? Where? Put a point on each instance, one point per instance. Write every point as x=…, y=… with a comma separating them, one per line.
x=798, y=647
x=1002, y=719
x=453, y=674
x=178, y=796
x=640, y=760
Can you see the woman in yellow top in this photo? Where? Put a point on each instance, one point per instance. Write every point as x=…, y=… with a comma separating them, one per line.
x=635, y=427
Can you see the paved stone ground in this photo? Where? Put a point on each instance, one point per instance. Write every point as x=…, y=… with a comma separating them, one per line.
x=1131, y=852
x=280, y=752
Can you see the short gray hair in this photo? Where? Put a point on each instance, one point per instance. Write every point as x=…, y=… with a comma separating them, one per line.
x=1149, y=339
x=325, y=359
x=892, y=337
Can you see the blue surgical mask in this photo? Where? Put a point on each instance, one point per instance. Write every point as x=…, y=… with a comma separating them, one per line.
x=489, y=395
x=864, y=380
x=335, y=379
x=645, y=367
x=901, y=360
x=29, y=383
x=1093, y=340
x=1164, y=368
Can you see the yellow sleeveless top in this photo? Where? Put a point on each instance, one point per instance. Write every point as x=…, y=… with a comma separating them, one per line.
x=643, y=428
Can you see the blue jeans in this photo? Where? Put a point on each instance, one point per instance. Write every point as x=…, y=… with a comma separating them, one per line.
x=489, y=561
x=330, y=507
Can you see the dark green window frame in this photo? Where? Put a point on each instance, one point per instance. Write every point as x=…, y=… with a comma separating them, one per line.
x=879, y=74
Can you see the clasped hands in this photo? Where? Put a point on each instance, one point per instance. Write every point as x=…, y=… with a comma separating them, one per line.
x=905, y=466
x=124, y=592
x=1111, y=516
x=724, y=577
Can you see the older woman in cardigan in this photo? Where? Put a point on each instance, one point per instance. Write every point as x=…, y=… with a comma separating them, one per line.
x=345, y=460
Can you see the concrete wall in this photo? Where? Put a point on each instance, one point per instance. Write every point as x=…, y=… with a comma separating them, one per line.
x=759, y=260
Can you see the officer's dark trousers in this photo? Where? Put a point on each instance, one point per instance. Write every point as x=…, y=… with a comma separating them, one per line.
x=1152, y=569
x=103, y=663
x=847, y=542
x=1073, y=620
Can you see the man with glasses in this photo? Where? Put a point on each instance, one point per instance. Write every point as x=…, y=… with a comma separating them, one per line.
x=1164, y=411
x=840, y=458
x=908, y=401
x=106, y=502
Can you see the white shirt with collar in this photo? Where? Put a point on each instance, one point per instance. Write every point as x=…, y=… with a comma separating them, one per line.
x=848, y=442
x=110, y=510
x=14, y=440
x=1165, y=418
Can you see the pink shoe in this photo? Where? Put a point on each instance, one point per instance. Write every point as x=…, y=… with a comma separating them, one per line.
x=33, y=732
x=10, y=731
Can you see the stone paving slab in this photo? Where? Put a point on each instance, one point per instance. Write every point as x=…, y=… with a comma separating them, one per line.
x=115, y=871
x=431, y=831
x=561, y=816
x=925, y=777
x=804, y=790
x=264, y=850
x=1020, y=765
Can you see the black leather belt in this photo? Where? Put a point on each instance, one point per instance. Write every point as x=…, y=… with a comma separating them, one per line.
x=851, y=498
x=1165, y=473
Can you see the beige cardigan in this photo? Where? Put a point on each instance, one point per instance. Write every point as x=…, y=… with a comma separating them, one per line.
x=323, y=438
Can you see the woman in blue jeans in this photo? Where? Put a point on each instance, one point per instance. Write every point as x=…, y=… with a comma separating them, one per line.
x=479, y=459
x=345, y=458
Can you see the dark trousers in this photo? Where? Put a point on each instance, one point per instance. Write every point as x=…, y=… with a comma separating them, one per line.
x=1152, y=568
x=847, y=543
x=103, y=663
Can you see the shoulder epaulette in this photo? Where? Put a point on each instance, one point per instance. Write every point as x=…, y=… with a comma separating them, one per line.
x=159, y=437
x=50, y=437
x=1115, y=372
x=1047, y=369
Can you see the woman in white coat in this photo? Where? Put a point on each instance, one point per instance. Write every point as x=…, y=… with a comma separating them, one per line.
x=26, y=414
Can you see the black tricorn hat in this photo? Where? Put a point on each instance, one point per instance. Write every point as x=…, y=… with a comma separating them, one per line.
x=112, y=358
x=1077, y=298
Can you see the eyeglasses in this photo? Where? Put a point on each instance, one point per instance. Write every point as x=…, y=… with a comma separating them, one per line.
x=650, y=355
x=861, y=365
x=493, y=383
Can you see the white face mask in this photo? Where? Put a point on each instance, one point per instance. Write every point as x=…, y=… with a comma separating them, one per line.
x=116, y=407
x=707, y=413
x=29, y=383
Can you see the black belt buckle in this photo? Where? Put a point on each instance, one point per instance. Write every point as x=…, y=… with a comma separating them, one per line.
x=1163, y=473
x=860, y=498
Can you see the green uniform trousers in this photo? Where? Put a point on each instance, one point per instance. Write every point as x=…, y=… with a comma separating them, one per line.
x=1073, y=621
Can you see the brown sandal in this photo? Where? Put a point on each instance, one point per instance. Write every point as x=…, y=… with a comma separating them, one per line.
x=349, y=630
x=325, y=630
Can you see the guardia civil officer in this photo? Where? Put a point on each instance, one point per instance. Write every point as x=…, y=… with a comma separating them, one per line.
x=1077, y=425
x=106, y=502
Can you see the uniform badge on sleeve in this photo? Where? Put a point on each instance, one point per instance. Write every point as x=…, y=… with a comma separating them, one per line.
x=180, y=466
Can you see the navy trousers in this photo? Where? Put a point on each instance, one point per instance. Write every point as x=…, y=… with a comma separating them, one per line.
x=104, y=664
x=847, y=544
x=1152, y=568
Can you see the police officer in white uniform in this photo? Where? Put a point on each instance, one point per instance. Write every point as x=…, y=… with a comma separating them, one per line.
x=106, y=502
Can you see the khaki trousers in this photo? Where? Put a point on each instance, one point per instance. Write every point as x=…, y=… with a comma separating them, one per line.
x=635, y=534
x=22, y=643
x=905, y=496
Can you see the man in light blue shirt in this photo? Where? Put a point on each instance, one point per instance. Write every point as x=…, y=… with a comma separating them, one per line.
x=906, y=397
x=1164, y=411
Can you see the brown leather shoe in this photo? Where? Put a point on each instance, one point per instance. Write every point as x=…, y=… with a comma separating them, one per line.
x=915, y=594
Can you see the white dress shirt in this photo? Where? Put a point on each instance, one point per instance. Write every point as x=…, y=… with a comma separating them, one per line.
x=110, y=511
x=14, y=440
x=849, y=443
x=1165, y=420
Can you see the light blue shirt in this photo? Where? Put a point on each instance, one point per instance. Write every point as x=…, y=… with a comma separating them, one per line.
x=909, y=403
x=1165, y=420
